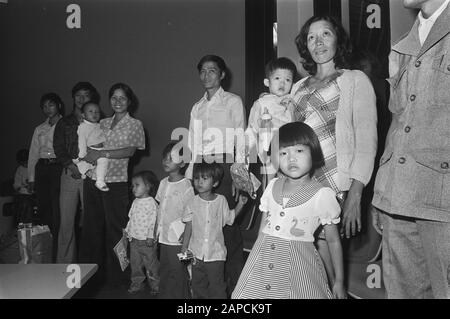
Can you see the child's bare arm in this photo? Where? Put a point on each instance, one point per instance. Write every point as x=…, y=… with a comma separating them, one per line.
x=186, y=236
x=334, y=244
x=240, y=205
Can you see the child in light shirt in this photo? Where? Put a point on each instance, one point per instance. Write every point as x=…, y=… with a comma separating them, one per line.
x=205, y=216
x=173, y=194
x=91, y=135
x=140, y=231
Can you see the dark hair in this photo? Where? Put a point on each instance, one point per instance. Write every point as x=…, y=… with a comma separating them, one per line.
x=52, y=97
x=86, y=86
x=150, y=180
x=168, y=149
x=280, y=63
x=343, y=44
x=300, y=133
x=128, y=93
x=22, y=155
x=213, y=58
x=213, y=170
x=86, y=104
x=361, y=59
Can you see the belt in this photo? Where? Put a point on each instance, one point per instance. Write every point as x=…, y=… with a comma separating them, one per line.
x=48, y=161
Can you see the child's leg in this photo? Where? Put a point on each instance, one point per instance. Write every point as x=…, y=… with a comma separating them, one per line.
x=100, y=170
x=173, y=274
x=217, y=287
x=151, y=263
x=200, y=280
x=324, y=252
x=136, y=263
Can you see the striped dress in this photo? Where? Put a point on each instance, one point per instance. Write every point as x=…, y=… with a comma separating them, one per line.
x=284, y=263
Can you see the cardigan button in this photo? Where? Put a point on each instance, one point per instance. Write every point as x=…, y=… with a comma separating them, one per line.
x=412, y=97
x=418, y=63
x=277, y=228
x=402, y=160
x=282, y=214
x=272, y=246
x=407, y=129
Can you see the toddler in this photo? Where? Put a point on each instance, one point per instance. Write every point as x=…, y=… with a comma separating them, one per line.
x=91, y=135
x=205, y=216
x=140, y=231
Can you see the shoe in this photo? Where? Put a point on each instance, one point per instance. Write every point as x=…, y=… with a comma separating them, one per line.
x=135, y=288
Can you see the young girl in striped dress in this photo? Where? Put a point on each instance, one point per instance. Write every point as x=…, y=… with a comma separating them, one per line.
x=284, y=262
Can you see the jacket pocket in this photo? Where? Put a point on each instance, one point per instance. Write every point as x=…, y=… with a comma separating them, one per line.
x=441, y=63
x=432, y=179
x=382, y=177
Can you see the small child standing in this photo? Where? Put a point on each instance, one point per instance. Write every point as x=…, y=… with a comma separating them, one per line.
x=91, y=135
x=205, y=216
x=271, y=110
x=284, y=262
x=140, y=231
x=23, y=198
x=173, y=194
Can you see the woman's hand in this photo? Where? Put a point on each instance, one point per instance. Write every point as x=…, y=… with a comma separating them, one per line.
x=339, y=290
x=351, y=217
x=92, y=156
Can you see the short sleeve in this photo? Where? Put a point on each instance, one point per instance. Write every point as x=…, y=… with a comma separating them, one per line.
x=228, y=215
x=160, y=190
x=188, y=211
x=188, y=194
x=137, y=137
x=327, y=206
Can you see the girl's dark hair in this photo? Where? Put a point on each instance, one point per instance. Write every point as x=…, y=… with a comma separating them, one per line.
x=52, y=97
x=343, y=44
x=168, y=149
x=300, y=133
x=150, y=180
x=128, y=93
x=213, y=58
x=87, y=86
x=213, y=170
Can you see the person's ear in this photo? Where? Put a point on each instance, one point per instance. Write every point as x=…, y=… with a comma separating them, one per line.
x=222, y=76
x=266, y=82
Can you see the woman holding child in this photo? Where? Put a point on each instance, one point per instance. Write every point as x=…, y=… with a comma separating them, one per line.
x=106, y=211
x=340, y=106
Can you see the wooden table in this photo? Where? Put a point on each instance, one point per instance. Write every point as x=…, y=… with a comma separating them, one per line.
x=41, y=281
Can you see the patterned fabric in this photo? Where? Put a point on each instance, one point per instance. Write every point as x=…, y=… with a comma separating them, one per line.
x=21, y=180
x=41, y=146
x=65, y=140
x=128, y=132
x=141, y=224
x=317, y=107
x=301, y=213
x=282, y=269
x=208, y=219
x=173, y=198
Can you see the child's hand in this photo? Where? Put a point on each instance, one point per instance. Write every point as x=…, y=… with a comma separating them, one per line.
x=339, y=291
x=150, y=242
x=243, y=199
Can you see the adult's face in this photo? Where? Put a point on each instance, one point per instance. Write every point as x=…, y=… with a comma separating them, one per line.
x=210, y=75
x=119, y=101
x=50, y=109
x=322, y=42
x=417, y=4
x=80, y=97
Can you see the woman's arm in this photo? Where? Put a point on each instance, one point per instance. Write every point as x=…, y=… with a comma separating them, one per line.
x=334, y=244
x=92, y=155
x=351, y=217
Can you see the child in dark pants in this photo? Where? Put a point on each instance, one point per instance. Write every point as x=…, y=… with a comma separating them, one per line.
x=205, y=216
x=173, y=194
x=140, y=231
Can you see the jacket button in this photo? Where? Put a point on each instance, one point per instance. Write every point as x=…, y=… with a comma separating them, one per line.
x=412, y=97
x=448, y=67
x=407, y=129
x=444, y=165
x=418, y=63
x=402, y=160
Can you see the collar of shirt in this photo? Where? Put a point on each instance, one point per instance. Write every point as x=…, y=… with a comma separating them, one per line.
x=122, y=121
x=425, y=25
x=217, y=95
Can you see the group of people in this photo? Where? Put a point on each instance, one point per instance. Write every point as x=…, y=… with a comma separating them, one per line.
x=316, y=141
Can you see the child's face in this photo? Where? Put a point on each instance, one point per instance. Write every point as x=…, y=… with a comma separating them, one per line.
x=170, y=166
x=204, y=184
x=91, y=113
x=279, y=82
x=50, y=109
x=140, y=189
x=295, y=161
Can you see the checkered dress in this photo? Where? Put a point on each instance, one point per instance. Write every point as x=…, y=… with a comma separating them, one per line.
x=317, y=107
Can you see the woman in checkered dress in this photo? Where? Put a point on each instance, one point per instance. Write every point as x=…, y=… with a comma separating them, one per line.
x=340, y=105
x=284, y=262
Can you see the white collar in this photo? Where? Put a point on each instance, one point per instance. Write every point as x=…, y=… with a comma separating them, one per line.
x=435, y=15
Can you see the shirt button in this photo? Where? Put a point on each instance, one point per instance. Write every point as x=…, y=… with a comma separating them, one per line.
x=277, y=227
x=268, y=287
x=448, y=67
x=418, y=63
x=282, y=214
x=272, y=246
x=270, y=266
x=412, y=97
x=444, y=165
x=407, y=129
x=402, y=160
